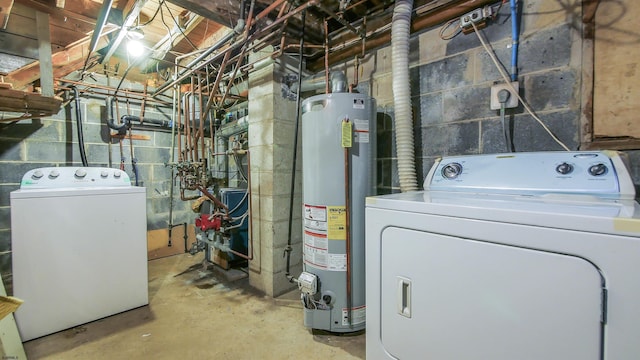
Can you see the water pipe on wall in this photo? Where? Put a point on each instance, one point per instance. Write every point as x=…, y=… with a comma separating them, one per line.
x=514, y=40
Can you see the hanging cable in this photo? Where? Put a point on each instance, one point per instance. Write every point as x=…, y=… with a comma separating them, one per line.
x=83, y=153
x=288, y=249
x=515, y=91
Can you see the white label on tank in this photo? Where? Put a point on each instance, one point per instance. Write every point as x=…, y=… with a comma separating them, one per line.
x=361, y=131
x=358, y=315
x=361, y=137
x=358, y=103
x=315, y=225
x=337, y=262
x=312, y=212
x=316, y=248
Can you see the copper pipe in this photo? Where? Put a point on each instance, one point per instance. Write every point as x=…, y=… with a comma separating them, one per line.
x=214, y=89
x=193, y=131
x=266, y=11
x=187, y=127
x=214, y=199
x=347, y=205
x=342, y=21
x=233, y=75
x=427, y=20
x=202, y=149
x=281, y=11
x=184, y=198
x=108, y=89
x=326, y=56
x=249, y=20
x=178, y=123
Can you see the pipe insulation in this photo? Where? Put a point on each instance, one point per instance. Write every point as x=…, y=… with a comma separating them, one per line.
x=400, y=29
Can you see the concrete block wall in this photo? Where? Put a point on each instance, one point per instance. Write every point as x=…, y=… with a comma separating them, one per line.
x=52, y=141
x=271, y=139
x=451, y=83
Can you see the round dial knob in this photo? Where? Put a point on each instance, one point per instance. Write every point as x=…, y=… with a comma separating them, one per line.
x=451, y=171
x=116, y=174
x=598, y=169
x=54, y=174
x=37, y=175
x=104, y=173
x=564, y=168
x=81, y=173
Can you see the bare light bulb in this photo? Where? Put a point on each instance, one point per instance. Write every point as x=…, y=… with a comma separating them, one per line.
x=135, y=48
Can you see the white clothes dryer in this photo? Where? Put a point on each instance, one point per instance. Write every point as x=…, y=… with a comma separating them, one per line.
x=509, y=256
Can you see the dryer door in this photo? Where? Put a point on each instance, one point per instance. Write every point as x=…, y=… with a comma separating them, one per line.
x=452, y=298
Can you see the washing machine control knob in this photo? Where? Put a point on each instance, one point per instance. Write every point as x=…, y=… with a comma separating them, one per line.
x=116, y=174
x=37, y=175
x=598, y=169
x=104, y=173
x=54, y=174
x=451, y=171
x=564, y=168
x=80, y=173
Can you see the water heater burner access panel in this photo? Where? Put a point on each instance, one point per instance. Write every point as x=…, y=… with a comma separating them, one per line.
x=593, y=173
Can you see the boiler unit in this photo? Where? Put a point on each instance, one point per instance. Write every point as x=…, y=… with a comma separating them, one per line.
x=508, y=256
x=338, y=144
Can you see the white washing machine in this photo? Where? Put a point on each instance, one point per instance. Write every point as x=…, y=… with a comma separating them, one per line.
x=79, y=247
x=503, y=257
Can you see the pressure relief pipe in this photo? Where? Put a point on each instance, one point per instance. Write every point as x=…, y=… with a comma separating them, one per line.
x=515, y=38
x=400, y=29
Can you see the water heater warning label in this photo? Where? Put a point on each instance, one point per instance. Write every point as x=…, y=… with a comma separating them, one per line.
x=316, y=249
x=315, y=218
x=337, y=223
x=358, y=315
x=361, y=131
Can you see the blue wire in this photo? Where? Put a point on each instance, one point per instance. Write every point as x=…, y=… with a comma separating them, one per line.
x=514, y=40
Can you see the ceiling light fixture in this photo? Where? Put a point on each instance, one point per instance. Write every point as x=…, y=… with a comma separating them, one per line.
x=135, y=33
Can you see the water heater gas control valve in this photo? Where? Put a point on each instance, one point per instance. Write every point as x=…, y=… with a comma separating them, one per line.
x=308, y=283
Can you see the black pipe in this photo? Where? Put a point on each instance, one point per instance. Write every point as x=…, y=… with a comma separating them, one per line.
x=83, y=154
x=120, y=128
x=288, y=249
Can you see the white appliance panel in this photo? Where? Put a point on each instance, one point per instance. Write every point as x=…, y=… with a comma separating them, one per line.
x=527, y=304
x=78, y=255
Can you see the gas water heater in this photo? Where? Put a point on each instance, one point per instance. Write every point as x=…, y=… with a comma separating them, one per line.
x=338, y=137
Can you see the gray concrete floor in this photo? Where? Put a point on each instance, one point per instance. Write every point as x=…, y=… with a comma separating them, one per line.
x=199, y=314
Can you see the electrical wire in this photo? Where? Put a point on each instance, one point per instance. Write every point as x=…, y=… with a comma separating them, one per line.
x=178, y=26
x=453, y=34
x=506, y=79
x=154, y=15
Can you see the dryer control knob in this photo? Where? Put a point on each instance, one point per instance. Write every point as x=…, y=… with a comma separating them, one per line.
x=451, y=171
x=564, y=168
x=598, y=169
x=116, y=174
x=37, y=175
x=80, y=173
x=54, y=174
x=104, y=173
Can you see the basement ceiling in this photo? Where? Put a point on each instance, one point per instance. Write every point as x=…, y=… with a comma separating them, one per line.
x=175, y=27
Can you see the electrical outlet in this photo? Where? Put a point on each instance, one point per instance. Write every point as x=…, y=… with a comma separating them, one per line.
x=472, y=16
x=512, y=101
